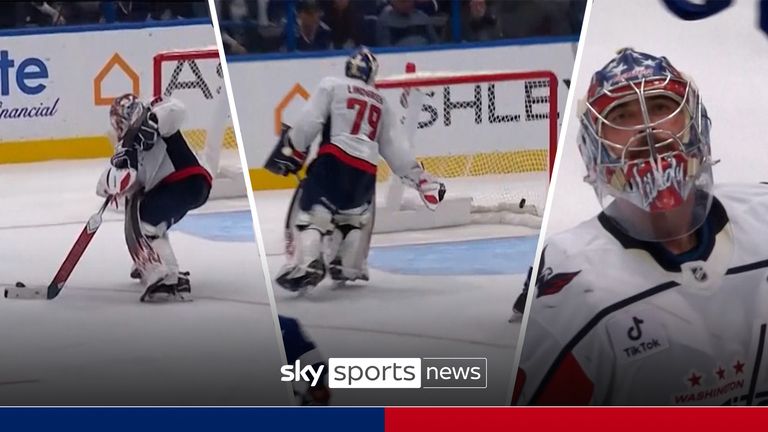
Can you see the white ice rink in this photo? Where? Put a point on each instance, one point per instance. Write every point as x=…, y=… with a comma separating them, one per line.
x=415, y=304
x=95, y=343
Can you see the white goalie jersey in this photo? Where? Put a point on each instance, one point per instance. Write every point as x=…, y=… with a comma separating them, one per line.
x=357, y=126
x=616, y=321
x=169, y=159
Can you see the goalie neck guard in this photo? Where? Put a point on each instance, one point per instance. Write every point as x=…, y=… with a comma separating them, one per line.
x=644, y=139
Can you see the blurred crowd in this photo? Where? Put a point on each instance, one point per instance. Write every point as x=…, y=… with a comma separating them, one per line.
x=258, y=26
x=20, y=14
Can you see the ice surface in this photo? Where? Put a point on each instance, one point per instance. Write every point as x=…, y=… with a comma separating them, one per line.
x=95, y=343
x=406, y=315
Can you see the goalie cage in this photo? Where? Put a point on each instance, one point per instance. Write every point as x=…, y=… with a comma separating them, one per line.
x=502, y=182
x=196, y=79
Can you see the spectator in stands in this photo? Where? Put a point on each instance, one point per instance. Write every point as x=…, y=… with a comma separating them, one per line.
x=429, y=7
x=344, y=19
x=312, y=33
x=81, y=12
x=132, y=11
x=576, y=15
x=400, y=24
x=478, y=23
x=238, y=32
x=526, y=18
x=41, y=13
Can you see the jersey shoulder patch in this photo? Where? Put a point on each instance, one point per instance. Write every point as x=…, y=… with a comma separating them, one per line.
x=583, y=271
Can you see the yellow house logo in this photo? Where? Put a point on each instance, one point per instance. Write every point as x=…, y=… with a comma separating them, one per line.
x=296, y=90
x=116, y=61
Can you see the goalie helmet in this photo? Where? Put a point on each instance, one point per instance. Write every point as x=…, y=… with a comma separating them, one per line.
x=124, y=111
x=362, y=65
x=644, y=139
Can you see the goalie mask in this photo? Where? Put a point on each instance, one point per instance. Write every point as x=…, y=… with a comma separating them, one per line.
x=362, y=65
x=124, y=112
x=644, y=139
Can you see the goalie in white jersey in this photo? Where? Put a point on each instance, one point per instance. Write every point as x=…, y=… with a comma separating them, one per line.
x=161, y=179
x=336, y=199
x=662, y=298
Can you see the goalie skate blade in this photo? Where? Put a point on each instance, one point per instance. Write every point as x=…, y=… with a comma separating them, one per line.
x=28, y=293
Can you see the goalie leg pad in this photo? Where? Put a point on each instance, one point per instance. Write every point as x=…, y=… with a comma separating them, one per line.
x=353, y=230
x=167, y=272
x=308, y=267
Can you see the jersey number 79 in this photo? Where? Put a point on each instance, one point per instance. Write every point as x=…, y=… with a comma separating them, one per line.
x=374, y=115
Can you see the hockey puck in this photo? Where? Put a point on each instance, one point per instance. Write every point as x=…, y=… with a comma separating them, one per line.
x=522, y=203
x=21, y=291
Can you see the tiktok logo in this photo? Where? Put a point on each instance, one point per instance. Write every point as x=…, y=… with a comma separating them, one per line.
x=635, y=333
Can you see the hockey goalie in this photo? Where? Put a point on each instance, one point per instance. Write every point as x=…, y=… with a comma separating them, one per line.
x=335, y=202
x=161, y=179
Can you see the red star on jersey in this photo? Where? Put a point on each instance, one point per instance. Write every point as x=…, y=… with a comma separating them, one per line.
x=720, y=372
x=694, y=379
x=738, y=367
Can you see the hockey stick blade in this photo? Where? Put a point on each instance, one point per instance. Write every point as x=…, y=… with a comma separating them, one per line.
x=74, y=255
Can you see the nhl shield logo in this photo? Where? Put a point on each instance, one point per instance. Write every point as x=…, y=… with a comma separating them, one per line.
x=699, y=274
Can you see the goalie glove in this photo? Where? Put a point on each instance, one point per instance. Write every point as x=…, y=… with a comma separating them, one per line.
x=285, y=159
x=116, y=182
x=431, y=191
x=148, y=132
x=125, y=158
x=143, y=134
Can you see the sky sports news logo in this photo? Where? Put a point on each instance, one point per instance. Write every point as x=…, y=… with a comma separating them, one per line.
x=389, y=373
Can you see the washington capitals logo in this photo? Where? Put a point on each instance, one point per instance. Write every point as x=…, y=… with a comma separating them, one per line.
x=548, y=282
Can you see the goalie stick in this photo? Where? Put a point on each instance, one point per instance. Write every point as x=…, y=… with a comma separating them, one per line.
x=74, y=255
x=71, y=260
x=288, y=234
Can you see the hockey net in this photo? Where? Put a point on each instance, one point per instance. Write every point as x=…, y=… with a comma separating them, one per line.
x=490, y=137
x=195, y=78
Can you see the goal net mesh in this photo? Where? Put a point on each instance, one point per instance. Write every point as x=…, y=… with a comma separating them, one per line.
x=489, y=136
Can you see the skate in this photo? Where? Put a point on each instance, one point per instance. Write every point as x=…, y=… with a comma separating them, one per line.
x=166, y=293
x=184, y=287
x=341, y=276
x=297, y=279
x=136, y=274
